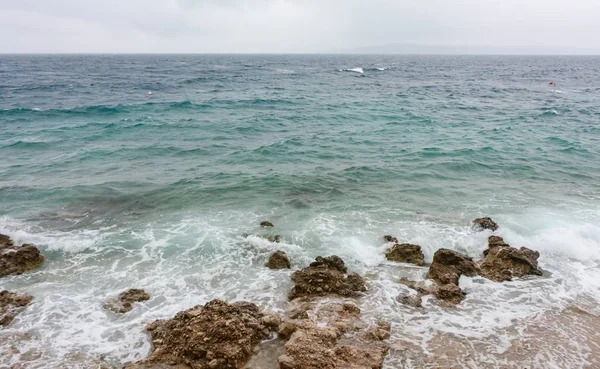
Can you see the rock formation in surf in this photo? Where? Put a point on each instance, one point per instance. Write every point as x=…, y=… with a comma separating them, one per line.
x=503, y=262
x=326, y=276
x=124, y=302
x=279, y=260
x=485, y=223
x=217, y=335
x=266, y=224
x=17, y=259
x=446, y=269
x=334, y=338
x=11, y=304
x=271, y=238
x=390, y=238
x=406, y=253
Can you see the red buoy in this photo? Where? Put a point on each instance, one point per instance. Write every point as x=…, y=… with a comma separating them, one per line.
x=551, y=83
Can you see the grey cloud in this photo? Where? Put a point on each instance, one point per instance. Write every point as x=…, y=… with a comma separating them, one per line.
x=290, y=25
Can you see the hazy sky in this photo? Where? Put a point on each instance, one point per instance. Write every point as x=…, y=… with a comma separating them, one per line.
x=290, y=25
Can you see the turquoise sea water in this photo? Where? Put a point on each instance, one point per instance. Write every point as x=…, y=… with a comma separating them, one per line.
x=124, y=189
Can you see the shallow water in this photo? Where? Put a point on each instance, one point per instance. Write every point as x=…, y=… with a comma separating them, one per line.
x=123, y=189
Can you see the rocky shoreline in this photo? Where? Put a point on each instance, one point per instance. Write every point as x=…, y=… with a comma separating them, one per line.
x=322, y=327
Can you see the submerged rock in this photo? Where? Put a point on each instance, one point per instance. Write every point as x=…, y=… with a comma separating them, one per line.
x=217, y=335
x=279, y=260
x=449, y=265
x=18, y=259
x=266, y=224
x=271, y=238
x=449, y=293
x=485, y=223
x=11, y=304
x=406, y=253
x=378, y=332
x=390, y=238
x=124, y=302
x=326, y=276
x=411, y=299
x=503, y=262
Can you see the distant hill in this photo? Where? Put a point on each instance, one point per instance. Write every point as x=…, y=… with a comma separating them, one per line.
x=398, y=48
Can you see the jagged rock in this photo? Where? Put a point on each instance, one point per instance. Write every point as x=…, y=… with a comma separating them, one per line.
x=333, y=337
x=124, y=302
x=326, y=276
x=12, y=304
x=378, y=332
x=5, y=240
x=332, y=261
x=449, y=265
x=279, y=260
x=318, y=348
x=389, y=238
x=18, y=259
x=217, y=335
x=485, y=223
x=410, y=299
x=406, y=253
x=449, y=293
x=503, y=262
x=266, y=224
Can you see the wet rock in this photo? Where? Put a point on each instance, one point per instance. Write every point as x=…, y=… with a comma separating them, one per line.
x=333, y=337
x=266, y=224
x=503, y=262
x=420, y=287
x=217, y=335
x=485, y=223
x=271, y=238
x=449, y=293
x=318, y=348
x=18, y=259
x=390, y=238
x=271, y=320
x=11, y=304
x=449, y=265
x=5, y=240
x=378, y=332
x=333, y=261
x=124, y=302
x=410, y=299
x=326, y=276
x=406, y=253
x=279, y=260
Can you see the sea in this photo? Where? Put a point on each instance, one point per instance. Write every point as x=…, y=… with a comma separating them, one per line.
x=154, y=172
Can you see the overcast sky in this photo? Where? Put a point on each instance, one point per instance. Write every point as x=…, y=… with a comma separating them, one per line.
x=280, y=26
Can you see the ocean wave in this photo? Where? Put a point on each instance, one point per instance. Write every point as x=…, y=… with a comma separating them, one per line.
x=354, y=70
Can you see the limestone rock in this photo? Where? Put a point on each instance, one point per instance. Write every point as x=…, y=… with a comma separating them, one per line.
x=279, y=260
x=390, y=238
x=266, y=224
x=217, y=335
x=502, y=263
x=326, y=276
x=17, y=259
x=406, y=253
x=449, y=293
x=124, y=302
x=11, y=304
x=485, y=223
x=449, y=265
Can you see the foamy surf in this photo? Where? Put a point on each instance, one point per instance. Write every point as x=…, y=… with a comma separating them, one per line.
x=198, y=257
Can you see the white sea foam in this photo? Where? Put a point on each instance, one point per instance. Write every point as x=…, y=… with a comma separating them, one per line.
x=355, y=70
x=190, y=259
